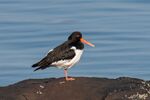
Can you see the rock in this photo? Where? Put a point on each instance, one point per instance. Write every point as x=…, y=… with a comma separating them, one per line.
x=83, y=88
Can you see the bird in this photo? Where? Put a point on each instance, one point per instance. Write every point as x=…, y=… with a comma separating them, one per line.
x=65, y=55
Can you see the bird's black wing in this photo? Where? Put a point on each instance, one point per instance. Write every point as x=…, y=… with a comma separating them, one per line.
x=59, y=53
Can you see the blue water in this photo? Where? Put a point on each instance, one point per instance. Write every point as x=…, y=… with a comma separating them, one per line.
x=120, y=29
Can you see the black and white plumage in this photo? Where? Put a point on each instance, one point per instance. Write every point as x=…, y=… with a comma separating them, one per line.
x=65, y=55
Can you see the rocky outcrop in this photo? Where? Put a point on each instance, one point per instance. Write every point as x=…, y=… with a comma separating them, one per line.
x=83, y=88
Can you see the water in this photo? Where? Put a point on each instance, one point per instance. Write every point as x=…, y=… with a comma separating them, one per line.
x=119, y=29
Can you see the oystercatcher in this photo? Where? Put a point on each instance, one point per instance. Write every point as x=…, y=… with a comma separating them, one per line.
x=65, y=55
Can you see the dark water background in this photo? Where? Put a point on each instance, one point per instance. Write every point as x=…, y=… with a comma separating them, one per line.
x=120, y=29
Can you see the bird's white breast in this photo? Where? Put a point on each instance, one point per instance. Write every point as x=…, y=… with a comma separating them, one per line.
x=69, y=63
x=78, y=54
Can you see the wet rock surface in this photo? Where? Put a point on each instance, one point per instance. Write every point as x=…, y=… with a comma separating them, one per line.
x=83, y=88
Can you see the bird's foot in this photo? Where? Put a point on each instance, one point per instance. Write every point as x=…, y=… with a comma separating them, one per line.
x=70, y=79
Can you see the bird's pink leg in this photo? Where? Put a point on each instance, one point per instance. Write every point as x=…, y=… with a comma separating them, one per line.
x=66, y=76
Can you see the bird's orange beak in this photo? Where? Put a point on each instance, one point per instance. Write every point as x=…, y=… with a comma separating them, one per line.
x=86, y=42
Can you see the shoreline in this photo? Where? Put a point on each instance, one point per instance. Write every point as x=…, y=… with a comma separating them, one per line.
x=83, y=88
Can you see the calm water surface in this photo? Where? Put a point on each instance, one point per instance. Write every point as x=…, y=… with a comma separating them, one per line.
x=120, y=29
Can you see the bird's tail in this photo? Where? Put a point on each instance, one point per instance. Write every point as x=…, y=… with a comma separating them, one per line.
x=35, y=65
x=41, y=64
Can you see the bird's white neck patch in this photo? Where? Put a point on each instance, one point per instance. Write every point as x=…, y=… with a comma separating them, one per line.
x=73, y=47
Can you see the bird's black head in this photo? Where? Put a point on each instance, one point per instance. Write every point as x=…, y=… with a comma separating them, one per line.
x=76, y=39
x=75, y=36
